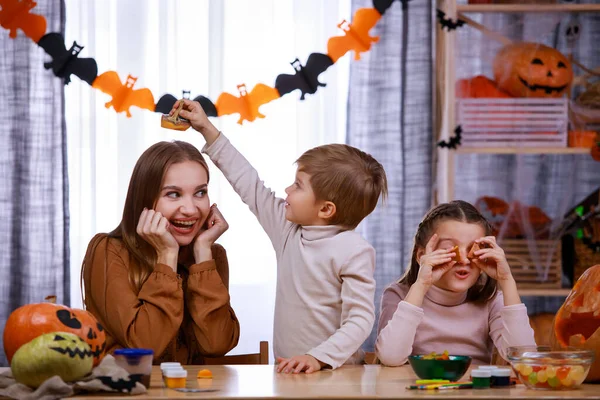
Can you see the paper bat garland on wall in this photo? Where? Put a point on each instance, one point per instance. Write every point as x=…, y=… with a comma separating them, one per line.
x=356, y=35
x=123, y=95
x=65, y=62
x=454, y=141
x=447, y=22
x=247, y=104
x=15, y=15
x=166, y=102
x=306, y=77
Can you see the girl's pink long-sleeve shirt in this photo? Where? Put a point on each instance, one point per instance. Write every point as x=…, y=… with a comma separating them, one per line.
x=446, y=321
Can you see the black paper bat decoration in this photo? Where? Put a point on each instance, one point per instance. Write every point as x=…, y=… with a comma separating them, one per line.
x=306, y=77
x=65, y=62
x=447, y=22
x=454, y=141
x=121, y=385
x=382, y=5
x=166, y=101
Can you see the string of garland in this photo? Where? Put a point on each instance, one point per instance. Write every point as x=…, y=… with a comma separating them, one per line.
x=16, y=15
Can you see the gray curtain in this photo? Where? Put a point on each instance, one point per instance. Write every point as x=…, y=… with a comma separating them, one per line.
x=34, y=214
x=389, y=116
x=555, y=183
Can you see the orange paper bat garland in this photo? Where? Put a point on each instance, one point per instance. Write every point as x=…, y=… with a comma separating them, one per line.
x=16, y=15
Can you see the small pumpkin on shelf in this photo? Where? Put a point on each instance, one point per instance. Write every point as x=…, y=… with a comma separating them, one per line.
x=577, y=323
x=479, y=86
x=525, y=69
x=32, y=320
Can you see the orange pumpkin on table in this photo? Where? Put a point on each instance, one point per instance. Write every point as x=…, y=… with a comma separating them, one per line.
x=32, y=320
x=577, y=322
x=532, y=70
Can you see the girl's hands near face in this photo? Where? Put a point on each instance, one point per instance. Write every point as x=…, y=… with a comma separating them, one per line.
x=434, y=263
x=492, y=260
x=216, y=226
x=154, y=229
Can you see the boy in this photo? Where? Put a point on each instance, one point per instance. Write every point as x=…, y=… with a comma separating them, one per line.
x=324, y=307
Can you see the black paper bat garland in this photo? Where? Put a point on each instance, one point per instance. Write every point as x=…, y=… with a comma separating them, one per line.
x=306, y=77
x=165, y=103
x=65, y=62
x=447, y=22
x=454, y=141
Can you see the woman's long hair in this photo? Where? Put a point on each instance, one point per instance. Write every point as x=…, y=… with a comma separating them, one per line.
x=144, y=188
x=457, y=210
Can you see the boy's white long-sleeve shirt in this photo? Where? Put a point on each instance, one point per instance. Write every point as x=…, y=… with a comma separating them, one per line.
x=324, y=302
x=446, y=321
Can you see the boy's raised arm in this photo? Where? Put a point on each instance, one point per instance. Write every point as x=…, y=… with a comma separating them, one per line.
x=269, y=209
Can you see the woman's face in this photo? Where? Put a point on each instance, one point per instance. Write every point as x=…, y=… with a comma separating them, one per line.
x=183, y=200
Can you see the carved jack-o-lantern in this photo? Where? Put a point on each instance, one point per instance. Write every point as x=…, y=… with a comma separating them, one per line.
x=55, y=353
x=32, y=320
x=532, y=70
x=577, y=323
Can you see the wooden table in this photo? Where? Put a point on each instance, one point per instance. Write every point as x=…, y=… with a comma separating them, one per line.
x=350, y=382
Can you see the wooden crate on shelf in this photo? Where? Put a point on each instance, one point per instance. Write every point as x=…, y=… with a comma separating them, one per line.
x=534, y=271
x=523, y=122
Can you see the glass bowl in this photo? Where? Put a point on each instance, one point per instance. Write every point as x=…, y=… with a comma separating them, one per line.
x=540, y=367
x=452, y=369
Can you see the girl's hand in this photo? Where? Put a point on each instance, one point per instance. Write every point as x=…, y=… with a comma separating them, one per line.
x=492, y=260
x=216, y=226
x=434, y=263
x=193, y=112
x=154, y=229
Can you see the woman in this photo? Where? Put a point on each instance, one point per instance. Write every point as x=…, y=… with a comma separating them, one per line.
x=158, y=280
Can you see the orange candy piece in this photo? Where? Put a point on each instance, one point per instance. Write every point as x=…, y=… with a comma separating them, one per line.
x=205, y=374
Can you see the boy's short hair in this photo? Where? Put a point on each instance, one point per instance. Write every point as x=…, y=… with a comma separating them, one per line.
x=348, y=177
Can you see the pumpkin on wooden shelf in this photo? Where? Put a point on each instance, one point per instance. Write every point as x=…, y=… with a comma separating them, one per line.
x=577, y=323
x=478, y=87
x=32, y=320
x=527, y=69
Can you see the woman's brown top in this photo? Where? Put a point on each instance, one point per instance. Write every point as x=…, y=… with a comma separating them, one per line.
x=183, y=316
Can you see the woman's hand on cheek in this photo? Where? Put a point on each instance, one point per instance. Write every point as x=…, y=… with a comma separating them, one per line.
x=216, y=226
x=434, y=263
x=154, y=229
x=492, y=260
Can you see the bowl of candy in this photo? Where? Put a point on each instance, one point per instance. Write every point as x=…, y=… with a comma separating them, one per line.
x=440, y=366
x=540, y=367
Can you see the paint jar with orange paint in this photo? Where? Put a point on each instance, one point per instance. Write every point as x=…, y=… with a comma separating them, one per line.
x=175, y=378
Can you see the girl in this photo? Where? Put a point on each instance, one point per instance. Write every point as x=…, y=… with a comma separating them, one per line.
x=449, y=293
x=158, y=280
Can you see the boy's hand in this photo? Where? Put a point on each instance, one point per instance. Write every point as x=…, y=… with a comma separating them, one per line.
x=297, y=364
x=492, y=260
x=193, y=112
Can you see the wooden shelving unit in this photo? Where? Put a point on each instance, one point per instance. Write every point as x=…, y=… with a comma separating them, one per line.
x=445, y=116
x=544, y=292
x=522, y=150
x=524, y=8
